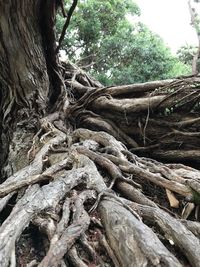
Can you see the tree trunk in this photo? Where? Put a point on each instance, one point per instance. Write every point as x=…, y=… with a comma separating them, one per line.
x=74, y=189
x=196, y=25
x=24, y=80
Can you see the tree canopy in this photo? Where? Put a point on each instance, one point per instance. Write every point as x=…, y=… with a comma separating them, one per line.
x=117, y=49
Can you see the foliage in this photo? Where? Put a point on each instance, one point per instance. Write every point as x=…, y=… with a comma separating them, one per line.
x=186, y=53
x=102, y=39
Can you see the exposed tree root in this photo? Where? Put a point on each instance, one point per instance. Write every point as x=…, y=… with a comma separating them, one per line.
x=96, y=202
x=127, y=241
x=158, y=119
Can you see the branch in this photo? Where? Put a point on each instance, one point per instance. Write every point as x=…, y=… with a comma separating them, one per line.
x=69, y=15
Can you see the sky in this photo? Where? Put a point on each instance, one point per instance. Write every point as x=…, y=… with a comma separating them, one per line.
x=170, y=19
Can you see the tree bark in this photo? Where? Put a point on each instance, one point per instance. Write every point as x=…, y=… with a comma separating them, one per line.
x=24, y=80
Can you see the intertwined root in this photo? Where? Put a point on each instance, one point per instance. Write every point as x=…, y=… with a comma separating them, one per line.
x=91, y=201
x=159, y=119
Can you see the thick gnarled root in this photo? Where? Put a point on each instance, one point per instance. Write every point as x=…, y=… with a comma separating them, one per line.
x=91, y=204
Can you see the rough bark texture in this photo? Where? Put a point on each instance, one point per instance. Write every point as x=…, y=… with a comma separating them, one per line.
x=23, y=79
x=81, y=184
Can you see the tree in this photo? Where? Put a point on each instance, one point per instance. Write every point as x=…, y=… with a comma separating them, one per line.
x=111, y=46
x=195, y=21
x=75, y=196
x=186, y=53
